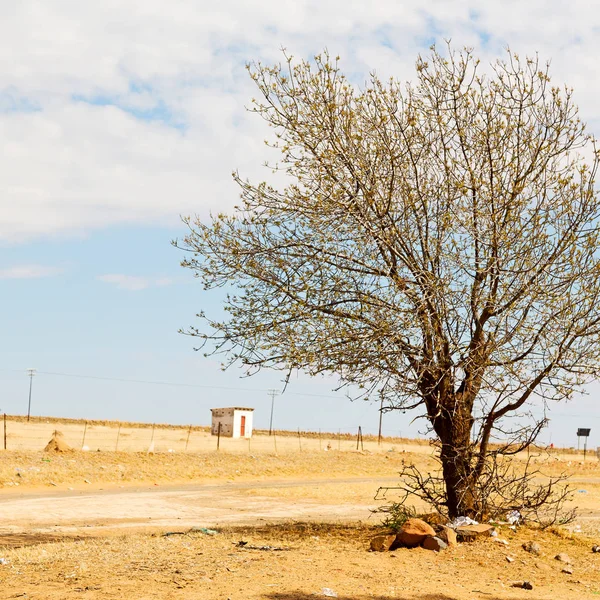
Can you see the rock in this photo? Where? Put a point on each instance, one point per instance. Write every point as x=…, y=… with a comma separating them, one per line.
x=448, y=535
x=509, y=559
x=413, y=532
x=524, y=585
x=434, y=543
x=434, y=519
x=562, y=557
x=568, y=570
x=532, y=547
x=595, y=548
x=468, y=533
x=542, y=566
x=382, y=543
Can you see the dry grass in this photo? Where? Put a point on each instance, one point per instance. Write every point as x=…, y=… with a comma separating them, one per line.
x=31, y=469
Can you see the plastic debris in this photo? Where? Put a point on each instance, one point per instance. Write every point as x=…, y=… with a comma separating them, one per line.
x=582, y=491
x=514, y=517
x=3, y=561
x=204, y=530
x=329, y=593
x=462, y=521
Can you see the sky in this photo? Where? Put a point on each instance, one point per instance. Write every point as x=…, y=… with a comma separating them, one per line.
x=118, y=117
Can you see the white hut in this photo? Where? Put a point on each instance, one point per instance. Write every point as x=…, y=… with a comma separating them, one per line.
x=236, y=421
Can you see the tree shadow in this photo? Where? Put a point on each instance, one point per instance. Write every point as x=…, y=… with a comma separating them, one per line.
x=298, y=595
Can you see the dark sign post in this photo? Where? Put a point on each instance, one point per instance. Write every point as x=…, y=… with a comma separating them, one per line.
x=583, y=433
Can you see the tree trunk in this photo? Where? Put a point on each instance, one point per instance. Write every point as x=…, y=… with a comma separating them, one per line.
x=454, y=431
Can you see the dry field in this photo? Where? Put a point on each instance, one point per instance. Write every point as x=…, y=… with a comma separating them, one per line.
x=92, y=524
x=139, y=437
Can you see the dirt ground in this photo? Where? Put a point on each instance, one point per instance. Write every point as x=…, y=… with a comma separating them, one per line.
x=136, y=525
x=293, y=562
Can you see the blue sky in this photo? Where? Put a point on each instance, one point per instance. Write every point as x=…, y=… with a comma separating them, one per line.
x=118, y=117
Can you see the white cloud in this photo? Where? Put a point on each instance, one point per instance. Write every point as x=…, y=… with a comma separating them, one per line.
x=29, y=272
x=135, y=283
x=76, y=78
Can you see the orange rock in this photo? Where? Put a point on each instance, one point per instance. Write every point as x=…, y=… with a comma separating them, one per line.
x=382, y=543
x=448, y=535
x=434, y=543
x=468, y=533
x=413, y=532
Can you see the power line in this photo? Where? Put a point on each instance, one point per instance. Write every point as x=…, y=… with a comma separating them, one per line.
x=167, y=383
x=551, y=413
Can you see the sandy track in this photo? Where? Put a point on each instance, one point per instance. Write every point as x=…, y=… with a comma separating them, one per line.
x=179, y=506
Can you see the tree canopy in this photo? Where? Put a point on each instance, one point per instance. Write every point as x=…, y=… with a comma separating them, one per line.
x=434, y=243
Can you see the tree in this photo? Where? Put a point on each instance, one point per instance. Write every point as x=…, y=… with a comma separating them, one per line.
x=433, y=243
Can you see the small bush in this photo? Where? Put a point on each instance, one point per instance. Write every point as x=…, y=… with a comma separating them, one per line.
x=396, y=514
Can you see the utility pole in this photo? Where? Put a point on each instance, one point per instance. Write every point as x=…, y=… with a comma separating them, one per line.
x=30, y=373
x=380, y=420
x=272, y=393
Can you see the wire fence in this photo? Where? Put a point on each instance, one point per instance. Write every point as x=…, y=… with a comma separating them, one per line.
x=94, y=436
x=18, y=434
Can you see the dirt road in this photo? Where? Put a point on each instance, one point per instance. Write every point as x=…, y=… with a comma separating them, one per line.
x=96, y=511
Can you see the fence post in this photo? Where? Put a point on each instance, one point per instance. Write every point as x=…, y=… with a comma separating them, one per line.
x=187, y=441
x=275, y=442
x=339, y=439
x=118, y=434
x=320, y=447
x=84, y=432
x=219, y=435
x=5, y=431
x=299, y=439
x=151, y=446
